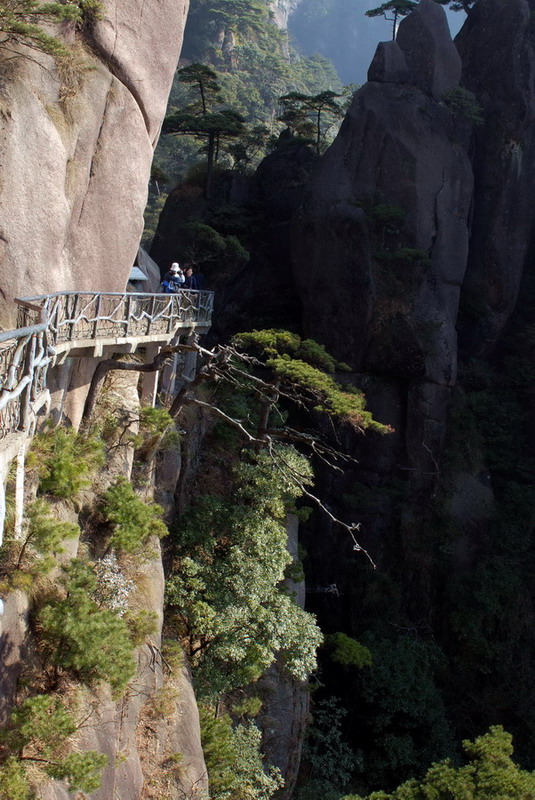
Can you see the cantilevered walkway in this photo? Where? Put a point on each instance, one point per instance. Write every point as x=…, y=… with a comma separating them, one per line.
x=55, y=326
x=52, y=328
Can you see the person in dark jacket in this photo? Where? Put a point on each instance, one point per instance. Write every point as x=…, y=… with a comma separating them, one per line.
x=193, y=281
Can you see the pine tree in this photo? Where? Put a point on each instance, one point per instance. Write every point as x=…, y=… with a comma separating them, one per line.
x=398, y=8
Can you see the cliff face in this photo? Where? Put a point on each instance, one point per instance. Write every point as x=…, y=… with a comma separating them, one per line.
x=281, y=10
x=416, y=224
x=382, y=239
x=499, y=70
x=76, y=148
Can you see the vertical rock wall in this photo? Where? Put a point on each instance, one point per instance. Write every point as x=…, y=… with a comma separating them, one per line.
x=500, y=71
x=76, y=145
x=384, y=295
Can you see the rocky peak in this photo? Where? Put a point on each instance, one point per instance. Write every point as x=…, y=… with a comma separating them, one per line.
x=432, y=58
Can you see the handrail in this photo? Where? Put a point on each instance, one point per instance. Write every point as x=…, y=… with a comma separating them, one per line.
x=53, y=323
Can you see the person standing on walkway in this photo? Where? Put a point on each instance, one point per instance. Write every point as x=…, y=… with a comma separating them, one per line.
x=173, y=280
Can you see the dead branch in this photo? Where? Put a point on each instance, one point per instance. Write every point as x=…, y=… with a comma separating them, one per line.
x=288, y=471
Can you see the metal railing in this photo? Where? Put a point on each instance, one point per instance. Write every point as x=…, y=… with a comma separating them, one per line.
x=49, y=324
x=82, y=316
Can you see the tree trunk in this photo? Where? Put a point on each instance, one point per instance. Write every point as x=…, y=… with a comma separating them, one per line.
x=210, y=167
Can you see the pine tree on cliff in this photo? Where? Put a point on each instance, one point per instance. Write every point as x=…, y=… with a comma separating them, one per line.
x=398, y=8
x=21, y=22
x=307, y=114
x=197, y=120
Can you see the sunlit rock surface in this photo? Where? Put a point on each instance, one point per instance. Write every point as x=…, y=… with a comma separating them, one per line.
x=76, y=148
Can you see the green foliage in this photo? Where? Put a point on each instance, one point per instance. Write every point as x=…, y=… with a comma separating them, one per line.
x=132, y=520
x=348, y=651
x=462, y=103
x=397, y=9
x=202, y=244
x=311, y=115
x=141, y=625
x=81, y=637
x=490, y=774
x=154, y=421
x=65, y=460
x=199, y=118
x=331, y=761
x=44, y=538
x=233, y=760
x=249, y=57
x=13, y=781
x=249, y=707
x=42, y=721
x=80, y=770
x=37, y=731
x=404, y=722
x=219, y=752
x=205, y=82
x=348, y=407
x=157, y=432
x=226, y=587
x=173, y=654
x=22, y=21
x=302, y=366
x=390, y=218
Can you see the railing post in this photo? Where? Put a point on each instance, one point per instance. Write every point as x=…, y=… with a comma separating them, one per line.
x=19, y=490
x=173, y=300
x=151, y=314
x=26, y=394
x=72, y=315
x=97, y=314
x=149, y=382
x=127, y=304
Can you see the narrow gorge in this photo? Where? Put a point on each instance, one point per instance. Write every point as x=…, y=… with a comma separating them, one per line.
x=270, y=536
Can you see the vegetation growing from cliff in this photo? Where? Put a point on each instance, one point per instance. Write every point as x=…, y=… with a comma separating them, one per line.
x=396, y=9
x=296, y=377
x=83, y=633
x=489, y=773
x=254, y=65
x=311, y=116
x=65, y=461
x=225, y=593
x=463, y=103
x=21, y=22
x=79, y=637
x=36, y=736
x=328, y=760
x=233, y=759
x=132, y=521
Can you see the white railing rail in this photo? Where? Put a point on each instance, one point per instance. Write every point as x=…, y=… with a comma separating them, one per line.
x=51, y=324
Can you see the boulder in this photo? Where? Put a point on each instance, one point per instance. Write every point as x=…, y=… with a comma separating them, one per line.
x=389, y=64
x=433, y=61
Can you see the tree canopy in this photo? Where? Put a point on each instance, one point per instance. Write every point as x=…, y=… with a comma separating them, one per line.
x=310, y=115
x=489, y=774
x=196, y=118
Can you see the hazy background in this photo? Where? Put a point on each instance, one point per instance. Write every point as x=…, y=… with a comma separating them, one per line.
x=340, y=30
